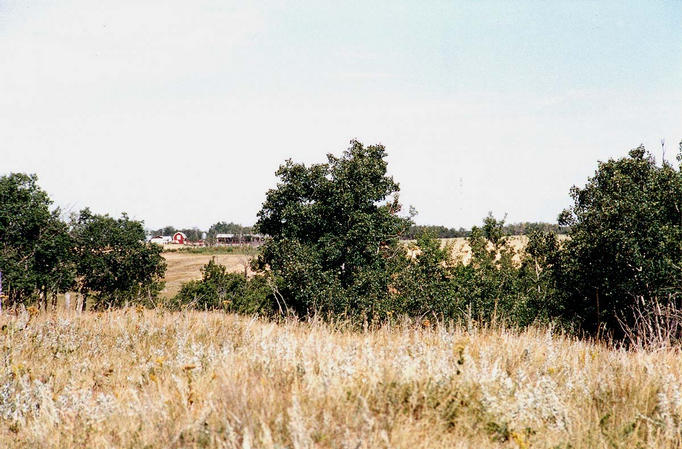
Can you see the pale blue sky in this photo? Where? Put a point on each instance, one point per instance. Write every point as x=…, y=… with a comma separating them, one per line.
x=179, y=112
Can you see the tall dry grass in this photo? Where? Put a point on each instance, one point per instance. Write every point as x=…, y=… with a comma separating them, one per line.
x=152, y=379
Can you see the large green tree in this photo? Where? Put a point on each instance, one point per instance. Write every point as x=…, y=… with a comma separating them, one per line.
x=333, y=231
x=35, y=247
x=114, y=263
x=626, y=241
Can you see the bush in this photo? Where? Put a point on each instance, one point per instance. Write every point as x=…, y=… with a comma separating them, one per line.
x=424, y=284
x=496, y=284
x=232, y=292
x=500, y=283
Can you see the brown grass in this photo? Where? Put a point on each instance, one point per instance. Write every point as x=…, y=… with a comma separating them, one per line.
x=153, y=379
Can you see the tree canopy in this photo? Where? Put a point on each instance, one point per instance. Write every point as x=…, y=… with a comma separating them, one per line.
x=34, y=243
x=333, y=229
x=626, y=240
x=114, y=262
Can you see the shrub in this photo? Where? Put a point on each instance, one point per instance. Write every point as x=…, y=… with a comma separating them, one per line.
x=425, y=283
x=232, y=292
x=496, y=284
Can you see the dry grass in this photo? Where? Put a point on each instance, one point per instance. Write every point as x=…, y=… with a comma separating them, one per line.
x=152, y=379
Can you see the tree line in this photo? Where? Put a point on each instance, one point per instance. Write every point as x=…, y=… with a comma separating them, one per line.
x=438, y=231
x=104, y=259
x=521, y=228
x=334, y=250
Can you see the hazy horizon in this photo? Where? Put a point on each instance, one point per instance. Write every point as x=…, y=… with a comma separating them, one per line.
x=179, y=113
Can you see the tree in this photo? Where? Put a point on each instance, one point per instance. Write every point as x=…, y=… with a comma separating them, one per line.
x=35, y=247
x=114, y=262
x=626, y=241
x=53, y=262
x=333, y=231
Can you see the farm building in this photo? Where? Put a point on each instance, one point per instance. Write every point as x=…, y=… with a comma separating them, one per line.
x=238, y=239
x=180, y=238
x=225, y=239
x=161, y=239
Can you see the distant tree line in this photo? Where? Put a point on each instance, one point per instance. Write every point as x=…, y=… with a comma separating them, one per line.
x=441, y=232
x=528, y=227
x=196, y=234
x=522, y=228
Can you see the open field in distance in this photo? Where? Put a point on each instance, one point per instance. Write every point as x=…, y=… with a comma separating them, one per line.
x=185, y=266
x=153, y=379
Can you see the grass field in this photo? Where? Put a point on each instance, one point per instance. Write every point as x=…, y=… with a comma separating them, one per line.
x=152, y=379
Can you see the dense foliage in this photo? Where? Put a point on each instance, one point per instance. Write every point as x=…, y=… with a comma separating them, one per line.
x=114, y=263
x=41, y=255
x=35, y=256
x=626, y=242
x=333, y=249
x=232, y=292
x=497, y=283
x=333, y=233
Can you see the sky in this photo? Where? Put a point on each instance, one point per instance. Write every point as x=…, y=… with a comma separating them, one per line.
x=179, y=112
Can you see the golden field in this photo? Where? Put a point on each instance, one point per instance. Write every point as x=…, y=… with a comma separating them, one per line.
x=150, y=379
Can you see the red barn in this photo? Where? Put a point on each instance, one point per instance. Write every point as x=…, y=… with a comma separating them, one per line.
x=179, y=238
